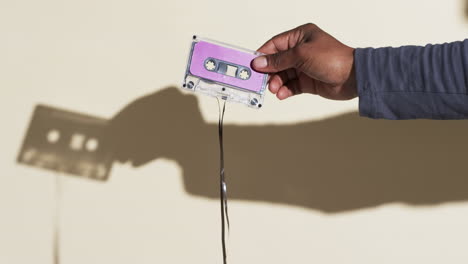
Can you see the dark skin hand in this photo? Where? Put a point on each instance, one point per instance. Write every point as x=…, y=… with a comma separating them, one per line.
x=308, y=60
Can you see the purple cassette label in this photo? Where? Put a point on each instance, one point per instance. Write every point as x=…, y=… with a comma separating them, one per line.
x=203, y=51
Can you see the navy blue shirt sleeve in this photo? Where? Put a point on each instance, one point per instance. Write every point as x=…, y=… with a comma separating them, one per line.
x=413, y=82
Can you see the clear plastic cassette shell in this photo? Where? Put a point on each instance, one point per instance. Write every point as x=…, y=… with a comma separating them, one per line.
x=224, y=71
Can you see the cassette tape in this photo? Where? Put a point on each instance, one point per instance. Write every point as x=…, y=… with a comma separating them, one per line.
x=67, y=142
x=225, y=72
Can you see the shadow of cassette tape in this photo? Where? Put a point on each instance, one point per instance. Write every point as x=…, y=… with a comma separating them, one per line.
x=67, y=142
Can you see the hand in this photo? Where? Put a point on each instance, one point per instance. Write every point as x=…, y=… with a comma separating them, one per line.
x=308, y=60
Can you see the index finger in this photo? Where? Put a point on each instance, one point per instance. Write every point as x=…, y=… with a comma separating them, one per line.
x=276, y=44
x=282, y=41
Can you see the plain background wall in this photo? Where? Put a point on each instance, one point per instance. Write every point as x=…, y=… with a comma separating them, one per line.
x=98, y=56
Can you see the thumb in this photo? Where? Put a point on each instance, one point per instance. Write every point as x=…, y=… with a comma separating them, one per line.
x=276, y=62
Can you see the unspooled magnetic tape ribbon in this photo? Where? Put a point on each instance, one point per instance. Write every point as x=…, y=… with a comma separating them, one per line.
x=222, y=183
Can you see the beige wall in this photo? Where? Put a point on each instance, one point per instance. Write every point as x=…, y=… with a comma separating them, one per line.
x=98, y=56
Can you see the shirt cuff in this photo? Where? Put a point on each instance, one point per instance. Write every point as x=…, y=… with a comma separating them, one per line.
x=366, y=96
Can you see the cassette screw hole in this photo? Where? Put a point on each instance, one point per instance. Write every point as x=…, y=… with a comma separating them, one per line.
x=92, y=144
x=223, y=89
x=254, y=101
x=53, y=136
x=259, y=105
x=190, y=85
x=184, y=85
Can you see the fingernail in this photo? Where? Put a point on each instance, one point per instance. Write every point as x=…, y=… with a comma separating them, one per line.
x=260, y=62
x=274, y=86
x=281, y=95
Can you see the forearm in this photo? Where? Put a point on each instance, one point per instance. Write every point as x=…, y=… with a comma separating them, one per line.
x=413, y=82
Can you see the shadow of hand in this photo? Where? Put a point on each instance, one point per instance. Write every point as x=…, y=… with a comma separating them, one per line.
x=333, y=165
x=153, y=126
